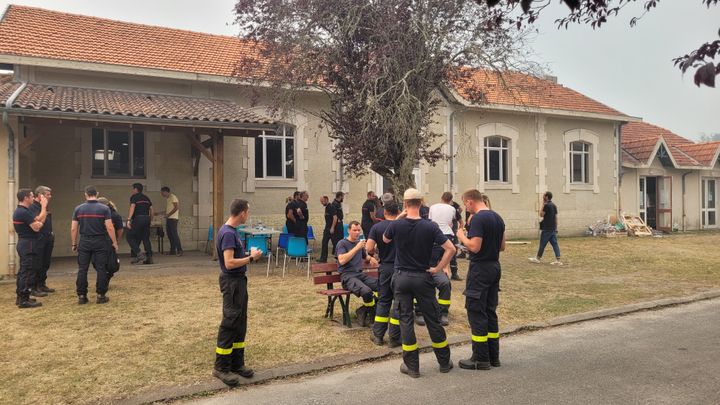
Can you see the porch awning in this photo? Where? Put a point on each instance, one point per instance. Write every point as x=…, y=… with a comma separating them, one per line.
x=63, y=102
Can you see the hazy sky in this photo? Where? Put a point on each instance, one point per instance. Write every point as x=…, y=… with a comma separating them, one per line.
x=629, y=69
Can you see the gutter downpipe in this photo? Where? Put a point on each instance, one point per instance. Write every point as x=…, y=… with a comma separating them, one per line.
x=683, y=199
x=618, y=135
x=451, y=147
x=12, y=175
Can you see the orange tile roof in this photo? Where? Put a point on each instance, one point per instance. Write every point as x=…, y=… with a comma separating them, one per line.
x=639, y=140
x=35, y=32
x=513, y=88
x=130, y=104
x=7, y=87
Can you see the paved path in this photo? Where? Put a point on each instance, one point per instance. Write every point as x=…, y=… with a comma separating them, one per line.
x=671, y=356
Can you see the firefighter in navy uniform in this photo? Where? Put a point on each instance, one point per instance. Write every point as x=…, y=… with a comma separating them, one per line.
x=233, y=260
x=414, y=238
x=139, y=218
x=485, y=239
x=27, y=225
x=93, y=221
x=350, y=256
x=46, y=242
x=386, y=316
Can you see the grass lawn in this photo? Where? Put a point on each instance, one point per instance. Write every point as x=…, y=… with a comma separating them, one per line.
x=160, y=326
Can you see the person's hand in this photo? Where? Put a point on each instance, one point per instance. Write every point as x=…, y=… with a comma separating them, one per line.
x=74, y=248
x=332, y=231
x=256, y=253
x=361, y=244
x=115, y=246
x=460, y=232
x=403, y=214
x=446, y=270
x=373, y=261
x=433, y=270
x=43, y=200
x=129, y=226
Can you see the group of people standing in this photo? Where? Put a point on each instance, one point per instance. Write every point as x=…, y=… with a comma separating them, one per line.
x=95, y=230
x=409, y=251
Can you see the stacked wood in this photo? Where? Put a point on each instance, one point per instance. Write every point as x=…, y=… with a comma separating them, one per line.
x=635, y=225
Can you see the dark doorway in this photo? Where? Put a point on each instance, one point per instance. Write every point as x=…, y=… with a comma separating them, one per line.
x=651, y=209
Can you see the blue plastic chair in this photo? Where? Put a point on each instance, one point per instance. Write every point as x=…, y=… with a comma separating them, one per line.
x=282, y=244
x=209, y=238
x=311, y=235
x=345, y=230
x=258, y=242
x=297, y=248
x=285, y=229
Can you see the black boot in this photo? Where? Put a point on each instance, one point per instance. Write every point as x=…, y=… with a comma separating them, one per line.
x=25, y=302
x=45, y=288
x=222, y=370
x=238, y=364
x=37, y=293
x=470, y=364
x=411, y=363
x=102, y=299
x=82, y=299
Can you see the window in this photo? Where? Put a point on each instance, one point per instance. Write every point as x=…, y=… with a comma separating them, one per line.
x=275, y=154
x=118, y=153
x=580, y=162
x=496, y=159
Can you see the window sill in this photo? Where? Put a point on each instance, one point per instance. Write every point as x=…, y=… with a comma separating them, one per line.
x=498, y=186
x=582, y=187
x=276, y=183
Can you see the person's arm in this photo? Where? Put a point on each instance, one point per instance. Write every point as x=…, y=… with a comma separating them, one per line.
x=290, y=215
x=43, y=209
x=174, y=210
x=74, y=234
x=445, y=260
x=35, y=225
x=370, y=246
x=152, y=213
x=110, y=228
x=119, y=233
x=372, y=214
x=502, y=244
x=334, y=223
x=130, y=215
x=472, y=244
x=343, y=258
x=232, y=262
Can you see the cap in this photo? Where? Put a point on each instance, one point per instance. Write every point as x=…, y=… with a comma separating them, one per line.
x=412, y=194
x=387, y=197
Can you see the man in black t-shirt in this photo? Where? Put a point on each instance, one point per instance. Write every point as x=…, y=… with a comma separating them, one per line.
x=414, y=238
x=290, y=212
x=385, y=199
x=45, y=242
x=368, y=213
x=351, y=254
x=333, y=225
x=27, y=225
x=302, y=215
x=548, y=230
x=138, y=223
x=384, y=321
x=93, y=222
x=485, y=239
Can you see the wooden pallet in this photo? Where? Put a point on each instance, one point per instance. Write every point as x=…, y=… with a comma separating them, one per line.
x=635, y=225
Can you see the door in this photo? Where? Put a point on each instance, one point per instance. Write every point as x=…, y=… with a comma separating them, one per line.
x=664, y=204
x=643, y=200
x=709, y=204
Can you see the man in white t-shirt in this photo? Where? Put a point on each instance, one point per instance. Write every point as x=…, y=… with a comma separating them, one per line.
x=172, y=215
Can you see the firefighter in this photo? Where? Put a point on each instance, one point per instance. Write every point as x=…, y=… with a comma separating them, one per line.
x=93, y=222
x=233, y=260
x=386, y=316
x=414, y=238
x=441, y=281
x=485, y=239
x=46, y=242
x=350, y=256
x=27, y=226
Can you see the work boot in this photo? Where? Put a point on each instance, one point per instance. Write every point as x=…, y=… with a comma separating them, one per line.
x=392, y=343
x=46, y=289
x=102, y=299
x=471, y=364
x=18, y=300
x=138, y=259
x=456, y=277
x=148, y=260
x=29, y=304
x=495, y=363
x=37, y=293
x=447, y=367
x=405, y=370
x=444, y=320
x=420, y=320
x=226, y=377
x=82, y=299
x=244, y=372
x=361, y=313
x=378, y=341
x=237, y=364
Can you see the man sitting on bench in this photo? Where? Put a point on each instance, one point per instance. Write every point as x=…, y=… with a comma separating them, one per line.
x=350, y=256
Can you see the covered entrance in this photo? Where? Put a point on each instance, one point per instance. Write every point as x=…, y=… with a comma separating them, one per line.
x=656, y=202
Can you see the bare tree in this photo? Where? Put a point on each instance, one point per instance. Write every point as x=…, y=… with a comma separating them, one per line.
x=380, y=64
x=596, y=13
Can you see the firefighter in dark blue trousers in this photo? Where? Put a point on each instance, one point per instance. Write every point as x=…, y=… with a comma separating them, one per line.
x=46, y=241
x=233, y=260
x=27, y=225
x=93, y=222
x=386, y=315
x=350, y=256
x=414, y=238
x=485, y=239
x=441, y=279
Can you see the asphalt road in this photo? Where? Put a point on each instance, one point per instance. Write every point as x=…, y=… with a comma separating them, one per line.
x=670, y=356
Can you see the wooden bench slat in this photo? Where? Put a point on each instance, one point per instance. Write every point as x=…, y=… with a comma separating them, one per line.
x=335, y=291
x=326, y=279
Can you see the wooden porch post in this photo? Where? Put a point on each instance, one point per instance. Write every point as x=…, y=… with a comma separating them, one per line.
x=218, y=188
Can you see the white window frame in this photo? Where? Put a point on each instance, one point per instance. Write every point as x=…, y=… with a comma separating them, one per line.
x=284, y=137
x=704, y=210
x=585, y=155
x=504, y=147
x=591, y=138
x=513, y=136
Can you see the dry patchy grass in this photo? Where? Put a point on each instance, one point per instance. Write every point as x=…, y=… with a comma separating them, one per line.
x=160, y=326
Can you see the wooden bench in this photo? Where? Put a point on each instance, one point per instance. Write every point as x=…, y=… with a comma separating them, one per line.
x=327, y=273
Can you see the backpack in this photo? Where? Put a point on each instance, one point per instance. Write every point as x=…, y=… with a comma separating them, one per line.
x=113, y=263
